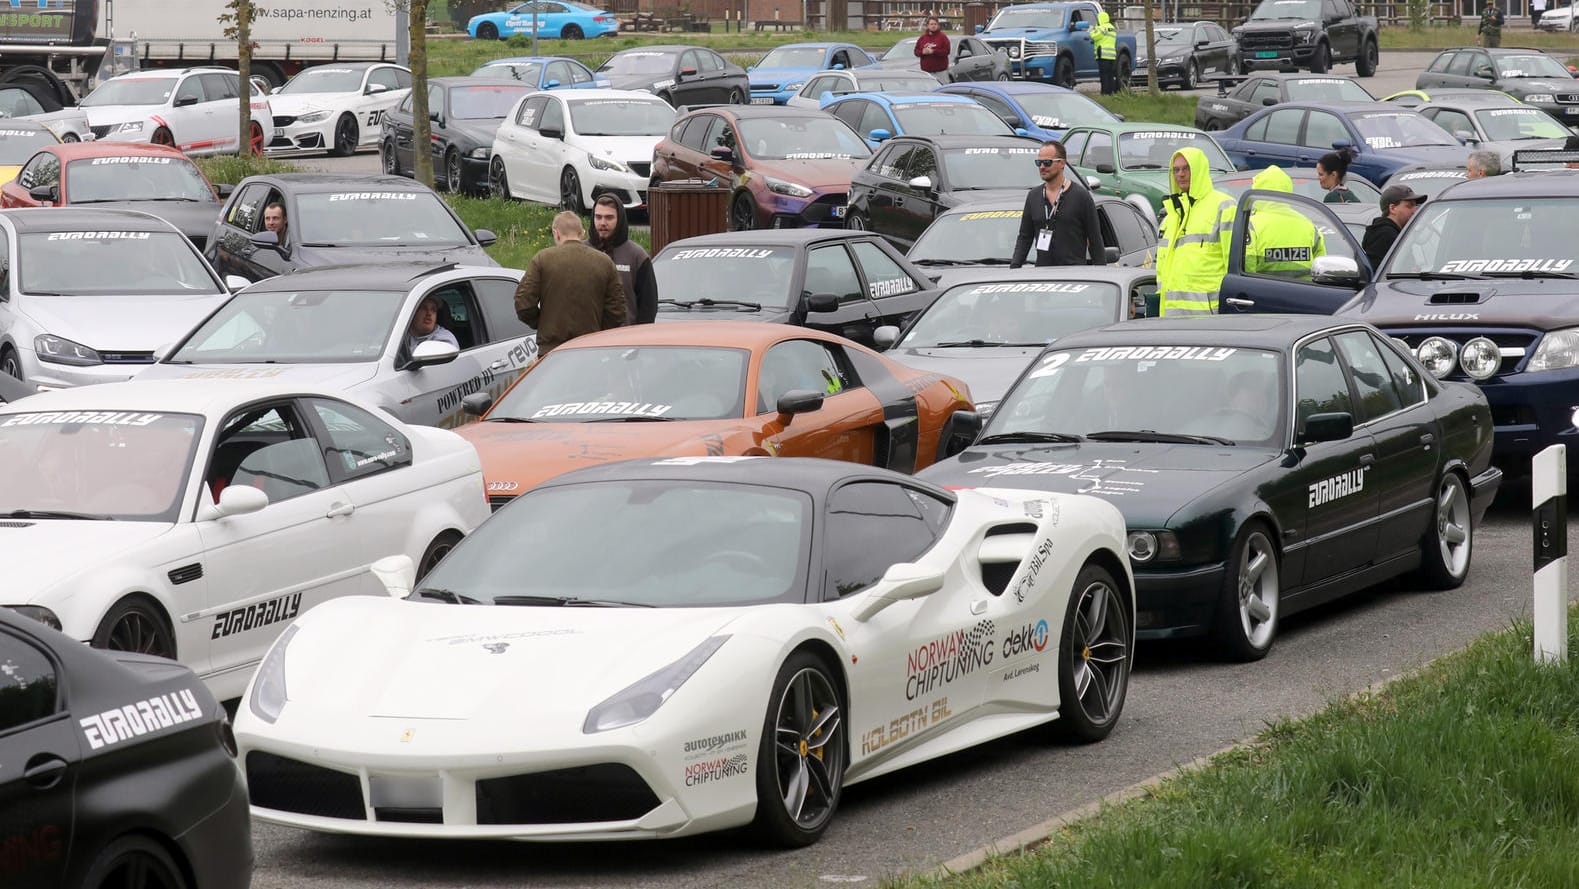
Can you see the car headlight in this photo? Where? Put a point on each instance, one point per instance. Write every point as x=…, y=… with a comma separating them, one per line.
x=1145, y=546
x=1014, y=50
x=314, y=117
x=39, y=613
x=1305, y=36
x=268, y=696
x=793, y=189
x=791, y=87
x=131, y=126
x=62, y=351
x=479, y=153
x=1480, y=358
x=1540, y=99
x=606, y=163
x=1439, y=355
x=1558, y=349
x=643, y=698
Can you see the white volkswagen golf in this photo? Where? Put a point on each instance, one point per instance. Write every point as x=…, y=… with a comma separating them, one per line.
x=338, y=108
x=568, y=147
x=194, y=519
x=197, y=110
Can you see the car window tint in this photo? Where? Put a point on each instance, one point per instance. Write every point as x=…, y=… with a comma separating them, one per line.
x=711, y=61
x=1410, y=385
x=1283, y=126
x=559, y=71
x=1323, y=129
x=458, y=315
x=579, y=73
x=1099, y=150
x=1372, y=378
x=271, y=449
x=1454, y=122
x=29, y=688
x=720, y=135
x=385, y=77
x=1440, y=63
x=498, y=307
x=999, y=107
x=892, y=163
x=1128, y=232
x=690, y=131
x=817, y=86
x=829, y=270
x=884, y=276
x=247, y=212
x=689, y=60
x=871, y=526
x=1075, y=144
x=359, y=443
x=1264, y=89
x=1319, y=384
x=923, y=162
x=221, y=86
x=553, y=116
x=190, y=88
x=850, y=112
x=531, y=114
x=797, y=364
x=873, y=117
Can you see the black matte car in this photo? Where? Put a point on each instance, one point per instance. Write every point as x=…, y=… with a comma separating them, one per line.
x=843, y=282
x=116, y=770
x=983, y=233
x=910, y=180
x=464, y=114
x=1265, y=88
x=1325, y=461
x=339, y=219
x=1529, y=75
x=1186, y=52
x=680, y=75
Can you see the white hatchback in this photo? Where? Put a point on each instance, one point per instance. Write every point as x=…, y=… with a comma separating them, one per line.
x=568, y=147
x=197, y=110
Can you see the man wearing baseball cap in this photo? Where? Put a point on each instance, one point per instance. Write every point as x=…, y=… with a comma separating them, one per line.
x=1399, y=203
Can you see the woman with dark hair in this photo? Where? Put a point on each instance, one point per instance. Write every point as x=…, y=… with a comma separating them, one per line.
x=1331, y=170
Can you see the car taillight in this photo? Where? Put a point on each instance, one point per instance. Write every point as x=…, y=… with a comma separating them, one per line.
x=603, y=18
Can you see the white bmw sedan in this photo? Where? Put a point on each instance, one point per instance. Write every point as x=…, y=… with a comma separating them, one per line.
x=195, y=519
x=568, y=147
x=338, y=108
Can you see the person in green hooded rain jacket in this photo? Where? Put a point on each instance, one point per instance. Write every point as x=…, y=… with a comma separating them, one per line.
x=1282, y=241
x=1192, y=254
x=1104, y=39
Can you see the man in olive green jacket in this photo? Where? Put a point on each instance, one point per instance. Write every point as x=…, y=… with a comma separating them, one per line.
x=570, y=288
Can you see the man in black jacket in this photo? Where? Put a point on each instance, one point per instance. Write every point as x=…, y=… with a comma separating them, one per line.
x=1398, y=206
x=1060, y=219
x=611, y=235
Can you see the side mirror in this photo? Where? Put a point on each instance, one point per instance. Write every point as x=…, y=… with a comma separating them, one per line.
x=1082, y=26
x=1335, y=270
x=477, y=404
x=45, y=193
x=432, y=352
x=375, y=88
x=265, y=238
x=552, y=133
x=1268, y=101
x=980, y=28
x=398, y=574
x=799, y=401
x=723, y=153
x=437, y=117
x=1202, y=43
x=1092, y=182
x=960, y=431
x=924, y=182
x=822, y=303
x=885, y=337
x=185, y=101
x=1106, y=169
x=879, y=135
x=750, y=68
x=1110, y=255
x=274, y=91
x=902, y=582
x=1021, y=131
x=1323, y=427
x=234, y=283
x=1466, y=137
x=224, y=190
x=837, y=66
x=486, y=237
x=552, y=84
x=239, y=500
x=1344, y=143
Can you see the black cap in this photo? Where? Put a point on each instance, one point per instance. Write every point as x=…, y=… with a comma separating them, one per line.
x=1397, y=194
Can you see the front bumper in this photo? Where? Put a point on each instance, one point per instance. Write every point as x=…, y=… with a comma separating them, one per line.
x=43, y=376
x=1564, y=112
x=1172, y=603
x=301, y=138
x=760, y=96
x=1530, y=412
x=1286, y=58
x=474, y=174
x=630, y=188
x=825, y=210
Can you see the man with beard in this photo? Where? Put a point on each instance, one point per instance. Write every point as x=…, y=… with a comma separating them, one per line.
x=611, y=236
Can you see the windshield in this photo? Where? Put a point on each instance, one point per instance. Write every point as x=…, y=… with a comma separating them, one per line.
x=484, y=102
x=794, y=57
x=970, y=168
x=1531, y=65
x=621, y=117
x=1028, y=18
x=96, y=179
x=1151, y=389
x=324, y=80
x=1326, y=89
x=18, y=143
x=131, y=91
x=112, y=263
x=1397, y=129
x=1308, y=186
x=1515, y=124
x=376, y=219
x=759, y=275
x=801, y=138
x=1031, y=313
x=985, y=236
x=1154, y=150
x=904, y=49
x=1057, y=111
x=630, y=64
x=526, y=72
x=1479, y=237
x=680, y=543
x=667, y=382
x=1308, y=10
x=294, y=327
x=128, y=465
x=944, y=118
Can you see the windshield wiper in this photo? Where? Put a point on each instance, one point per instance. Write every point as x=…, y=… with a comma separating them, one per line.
x=449, y=596
x=57, y=514
x=1432, y=276
x=709, y=302
x=567, y=601
x=1158, y=437
x=1531, y=274
x=1143, y=166
x=1024, y=437
x=979, y=344
x=509, y=420
x=640, y=419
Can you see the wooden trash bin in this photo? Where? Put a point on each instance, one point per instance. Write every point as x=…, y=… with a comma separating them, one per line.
x=685, y=208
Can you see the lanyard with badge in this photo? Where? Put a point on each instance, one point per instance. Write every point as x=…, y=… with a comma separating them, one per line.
x=1044, y=238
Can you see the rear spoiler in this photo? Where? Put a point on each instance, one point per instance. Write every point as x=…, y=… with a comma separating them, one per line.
x=1224, y=81
x=1543, y=159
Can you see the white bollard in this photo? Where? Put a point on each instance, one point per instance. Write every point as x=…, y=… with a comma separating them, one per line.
x=1549, y=491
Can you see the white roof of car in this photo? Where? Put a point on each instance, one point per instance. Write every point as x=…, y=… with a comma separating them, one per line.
x=586, y=95
x=210, y=392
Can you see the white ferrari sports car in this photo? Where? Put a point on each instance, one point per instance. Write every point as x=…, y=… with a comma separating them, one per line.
x=657, y=648
x=194, y=519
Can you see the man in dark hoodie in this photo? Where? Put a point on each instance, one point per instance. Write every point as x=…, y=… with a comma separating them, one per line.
x=611, y=235
x=1398, y=205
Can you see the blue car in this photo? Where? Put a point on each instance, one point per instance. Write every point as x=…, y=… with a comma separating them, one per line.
x=1384, y=137
x=784, y=70
x=544, y=73
x=1040, y=109
x=554, y=20
x=881, y=116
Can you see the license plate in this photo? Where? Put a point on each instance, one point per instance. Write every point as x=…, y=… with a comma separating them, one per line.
x=1266, y=54
x=838, y=212
x=762, y=100
x=279, y=132
x=1571, y=110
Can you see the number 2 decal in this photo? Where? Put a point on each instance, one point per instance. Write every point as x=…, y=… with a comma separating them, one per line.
x=373, y=117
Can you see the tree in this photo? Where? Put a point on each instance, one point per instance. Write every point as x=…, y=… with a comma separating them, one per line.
x=1151, y=52
x=421, y=123
x=238, y=24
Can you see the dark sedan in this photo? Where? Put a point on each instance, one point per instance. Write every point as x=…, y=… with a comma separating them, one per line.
x=843, y=282
x=1529, y=75
x=680, y=75
x=339, y=220
x=913, y=179
x=1186, y=52
x=969, y=59
x=1385, y=138
x=465, y=114
x=1330, y=462
x=119, y=770
x=983, y=233
x=1042, y=110
x=1266, y=88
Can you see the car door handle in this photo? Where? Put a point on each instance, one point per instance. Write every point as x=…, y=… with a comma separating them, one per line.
x=1239, y=301
x=501, y=364
x=1367, y=459
x=340, y=509
x=978, y=606
x=44, y=770
x=1426, y=440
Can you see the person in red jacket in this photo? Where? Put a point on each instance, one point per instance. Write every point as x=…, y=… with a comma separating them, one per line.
x=932, y=48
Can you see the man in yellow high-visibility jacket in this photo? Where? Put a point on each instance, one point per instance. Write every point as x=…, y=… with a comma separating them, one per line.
x=1104, y=39
x=1283, y=242
x=1192, y=254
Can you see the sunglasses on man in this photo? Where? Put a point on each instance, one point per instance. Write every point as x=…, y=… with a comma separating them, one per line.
x=1044, y=162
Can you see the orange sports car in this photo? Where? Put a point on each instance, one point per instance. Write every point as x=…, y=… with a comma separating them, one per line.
x=711, y=389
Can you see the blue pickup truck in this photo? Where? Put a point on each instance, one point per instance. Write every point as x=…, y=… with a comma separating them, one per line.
x=1052, y=42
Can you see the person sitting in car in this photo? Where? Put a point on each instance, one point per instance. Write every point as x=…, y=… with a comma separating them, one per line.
x=425, y=327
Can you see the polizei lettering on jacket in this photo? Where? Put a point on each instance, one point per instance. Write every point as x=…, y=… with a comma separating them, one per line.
x=945, y=659
x=98, y=236
x=716, y=770
x=253, y=616
x=1286, y=254
x=1338, y=487
x=140, y=718
x=1477, y=266
x=715, y=742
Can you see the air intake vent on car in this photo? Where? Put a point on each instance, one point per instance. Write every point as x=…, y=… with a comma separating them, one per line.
x=16, y=524
x=1454, y=299
x=186, y=573
x=999, y=562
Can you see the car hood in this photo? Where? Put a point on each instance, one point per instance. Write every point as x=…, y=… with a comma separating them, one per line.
x=982, y=195
x=45, y=552
x=1424, y=154
x=308, y=256
x=625, y=149
x=195, y=219
x=479, y=132
x=110, y=115
x=334, y=377
x=1506, y=147
x=1026, y=33
x=1163, y=52
x=780, y=76
x=989, y=371
x=1147, y=482
x=819, y=173
x=460, y=662
x=1520, y=86
x=1269, y=26
x=297, y=105
x=528, y=454
x=1543, y=303
x=121, y=323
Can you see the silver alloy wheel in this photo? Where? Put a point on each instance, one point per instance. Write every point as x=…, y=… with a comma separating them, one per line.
x=1258, y=588
x=498, y=180
x=10, y=364
x=854, y=222
x=452, y=172
x=809, y=748
x=1099, y=651
x=1453, y=532
x=1192, y=77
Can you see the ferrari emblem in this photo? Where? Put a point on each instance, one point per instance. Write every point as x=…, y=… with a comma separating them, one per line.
x=1085, y=653
x=803, y=748
x=407, y=735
